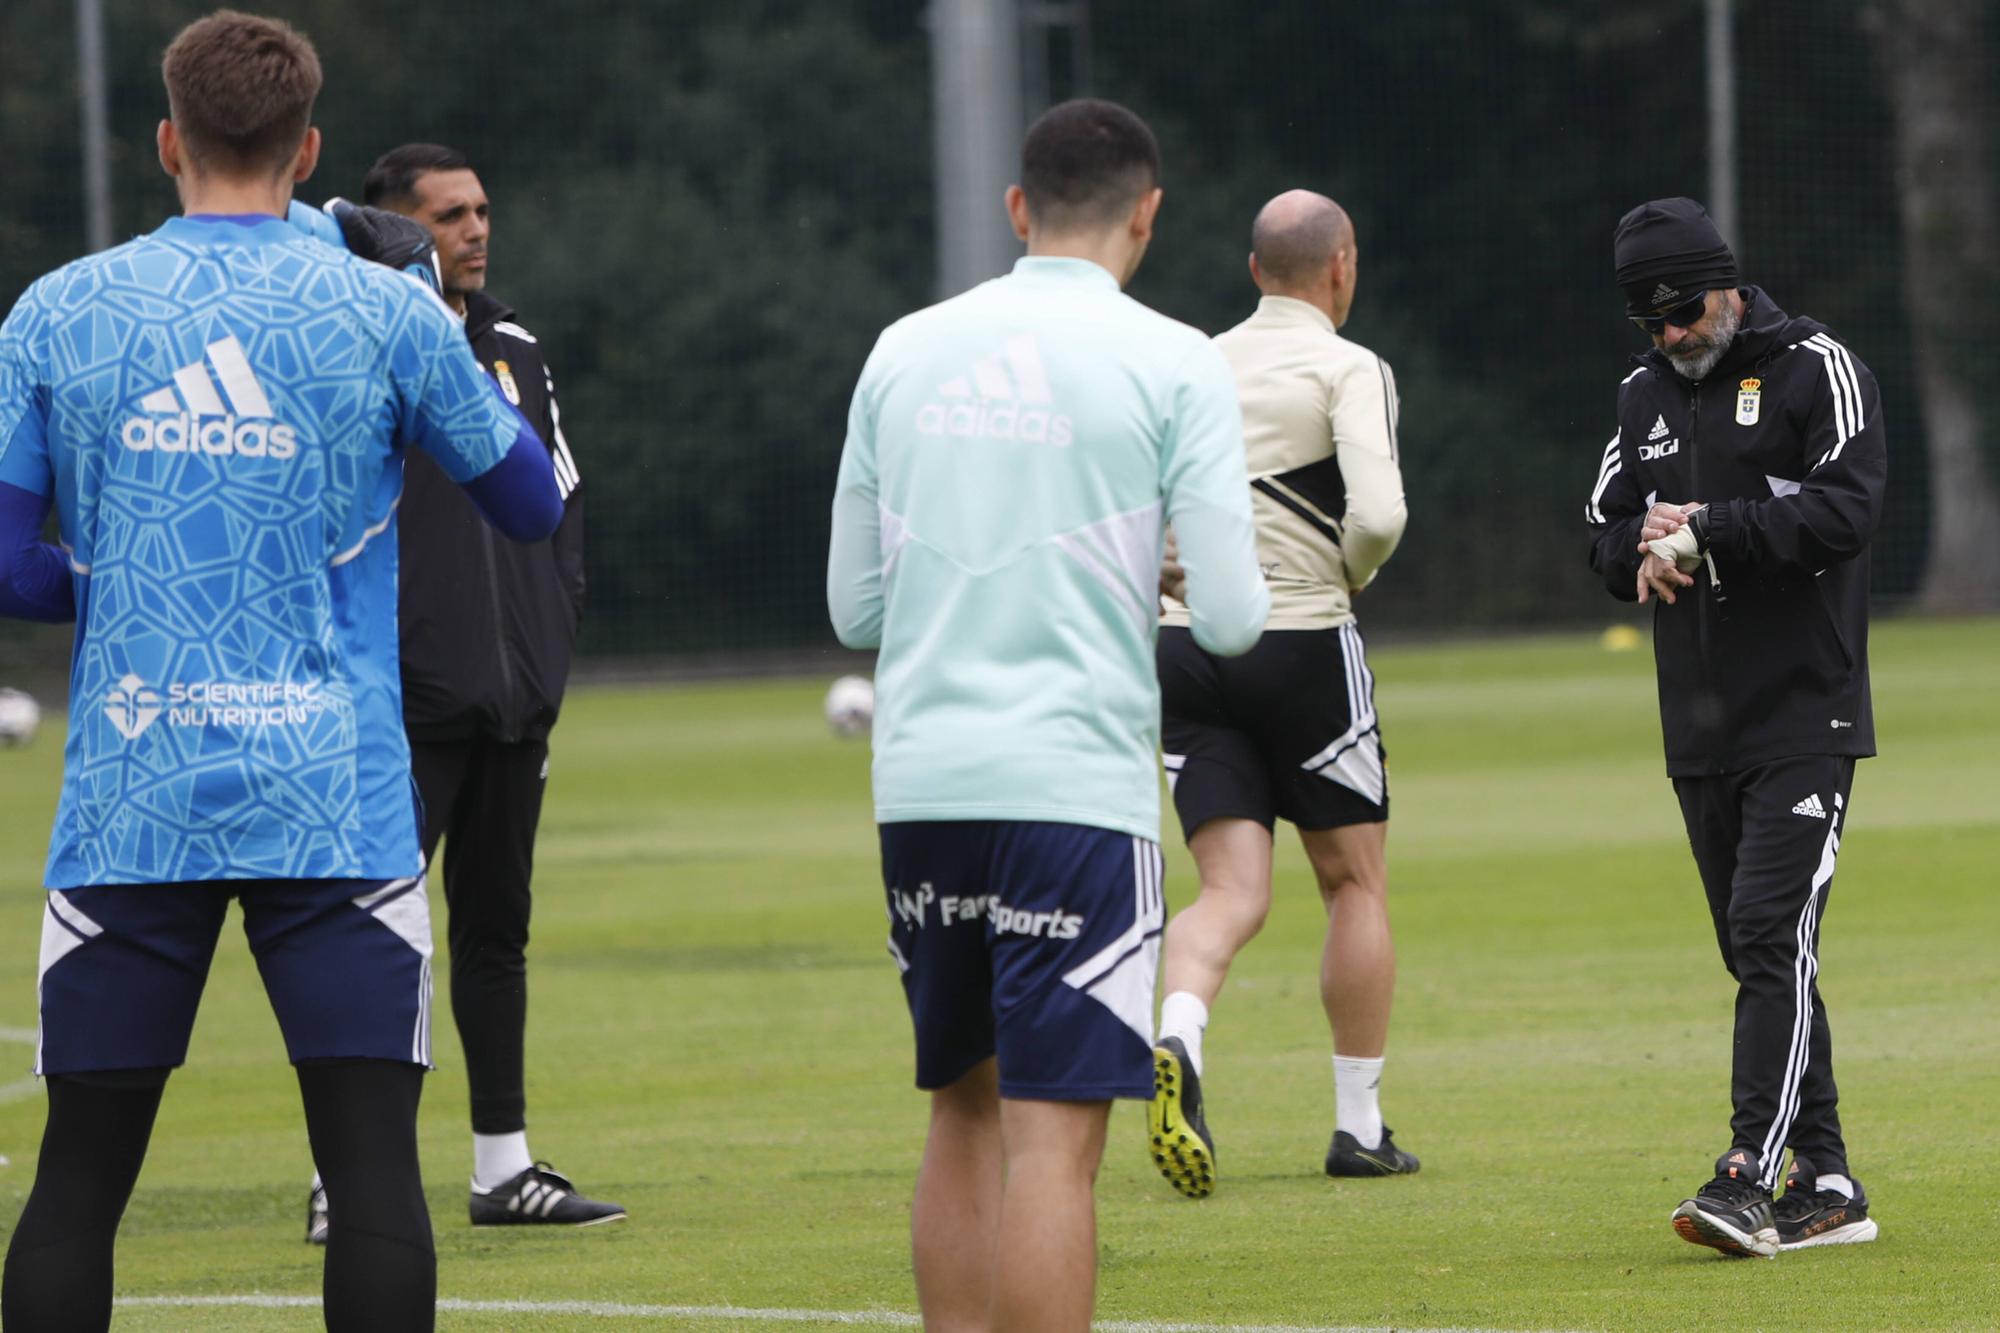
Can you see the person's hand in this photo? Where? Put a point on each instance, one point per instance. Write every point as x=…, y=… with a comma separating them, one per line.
x=1173, y=579
x=1658, y=577
x=1682, y=547
x=386, y=238
x=1664, y=519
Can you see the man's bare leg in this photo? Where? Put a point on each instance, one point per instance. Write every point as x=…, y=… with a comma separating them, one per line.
x=955, y=1222
x=1357, y=971
x=1357, y=984
x=1233, y=858
x=1047, y=1271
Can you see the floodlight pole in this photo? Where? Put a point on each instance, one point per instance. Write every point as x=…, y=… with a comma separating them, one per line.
x=1721, y=45
x=976, y=118
x=96, y=124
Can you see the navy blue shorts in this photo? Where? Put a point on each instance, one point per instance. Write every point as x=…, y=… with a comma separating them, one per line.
x=346, y=962
x=1038, y=943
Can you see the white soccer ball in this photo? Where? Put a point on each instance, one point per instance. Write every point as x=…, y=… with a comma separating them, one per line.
x=20, y=715
x=850, y=706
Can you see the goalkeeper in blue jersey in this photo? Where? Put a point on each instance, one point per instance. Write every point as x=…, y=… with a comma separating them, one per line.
x=217, y=413
x=1012, y=458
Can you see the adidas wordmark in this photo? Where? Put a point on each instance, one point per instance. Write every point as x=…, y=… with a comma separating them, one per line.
x=1005, y=397
x=1810, y=807
x=191, y=416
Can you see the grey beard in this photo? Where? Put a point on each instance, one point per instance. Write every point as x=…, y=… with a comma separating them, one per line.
x=1695, y=365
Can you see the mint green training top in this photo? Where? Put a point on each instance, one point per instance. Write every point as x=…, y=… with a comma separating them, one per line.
x=1012, y=456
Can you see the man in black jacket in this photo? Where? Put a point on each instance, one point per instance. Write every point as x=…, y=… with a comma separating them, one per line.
x=1741, y=490
x=487, y=632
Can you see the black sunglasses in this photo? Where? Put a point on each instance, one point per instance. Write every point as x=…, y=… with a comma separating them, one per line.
x=1681, y=316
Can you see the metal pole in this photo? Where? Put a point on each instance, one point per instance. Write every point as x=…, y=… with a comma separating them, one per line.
x=1721, y=44
x=96, y=124
x=977, y=121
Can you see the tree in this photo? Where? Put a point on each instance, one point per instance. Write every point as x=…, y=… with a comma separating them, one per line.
x=1936, y=55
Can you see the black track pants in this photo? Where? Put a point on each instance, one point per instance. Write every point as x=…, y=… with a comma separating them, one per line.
x=1765, y=840
x=484, y=799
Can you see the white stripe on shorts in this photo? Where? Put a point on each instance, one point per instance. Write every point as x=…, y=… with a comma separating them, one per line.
x=64, y=928
x=1122, y=975
x=1354, y=759
x=404, y=907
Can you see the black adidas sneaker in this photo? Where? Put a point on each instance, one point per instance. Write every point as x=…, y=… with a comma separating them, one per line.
x=1346, y=1157
x=1807, y=1215
x=539, y=1195
x=1732, y=1212
x=1177, y=1132
x=316, y=1215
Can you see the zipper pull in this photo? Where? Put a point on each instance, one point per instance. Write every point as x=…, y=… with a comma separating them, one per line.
x=1714, y=579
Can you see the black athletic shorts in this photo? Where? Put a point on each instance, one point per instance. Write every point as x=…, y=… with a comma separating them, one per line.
x=1288, y=730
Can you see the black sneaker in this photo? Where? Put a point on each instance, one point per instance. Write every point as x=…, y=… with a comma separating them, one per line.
x=1807, y=1215
x=539, y=1195
x=316, y=1215
x=1346, y=1157
x=1176, y=1129
x=1732, y=1212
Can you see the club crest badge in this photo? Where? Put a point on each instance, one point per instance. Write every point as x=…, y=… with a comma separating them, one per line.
x=1749, y=395
x=505, y=375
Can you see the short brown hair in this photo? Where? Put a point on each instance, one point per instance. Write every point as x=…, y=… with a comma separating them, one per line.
x=240, y=89
x=1086, y=162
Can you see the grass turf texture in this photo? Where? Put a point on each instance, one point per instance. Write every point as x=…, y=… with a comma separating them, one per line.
x=717, y=1039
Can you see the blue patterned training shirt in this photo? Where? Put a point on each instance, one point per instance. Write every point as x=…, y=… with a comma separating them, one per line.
x=219, y=411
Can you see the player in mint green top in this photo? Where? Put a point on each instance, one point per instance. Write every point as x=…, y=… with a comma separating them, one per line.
x=1013, y=456
x=997, y=533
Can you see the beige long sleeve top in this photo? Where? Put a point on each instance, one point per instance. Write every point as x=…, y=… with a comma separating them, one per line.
x=1319, y=435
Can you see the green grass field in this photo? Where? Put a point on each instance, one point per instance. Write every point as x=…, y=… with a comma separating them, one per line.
x=718, y=1039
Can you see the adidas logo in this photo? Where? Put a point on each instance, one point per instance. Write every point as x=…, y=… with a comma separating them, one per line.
x=536, y=1199
x=190, y=415
x=1810, y=808
x=1663, y=294
x=1652, y=451
x=1005, y=397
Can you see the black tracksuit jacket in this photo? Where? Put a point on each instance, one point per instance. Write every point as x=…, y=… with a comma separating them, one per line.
x=488, y=625
x=1767, y=654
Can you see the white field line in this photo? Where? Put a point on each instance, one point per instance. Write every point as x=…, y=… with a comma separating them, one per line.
x=748, y=1315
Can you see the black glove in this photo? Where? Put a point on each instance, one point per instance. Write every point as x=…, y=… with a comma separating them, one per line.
x=382, y=237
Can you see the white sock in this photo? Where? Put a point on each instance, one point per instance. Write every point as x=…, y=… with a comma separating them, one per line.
x=1355, y=1107
x=498, y=1158
x=1840, y=1185
x=1183, y=1015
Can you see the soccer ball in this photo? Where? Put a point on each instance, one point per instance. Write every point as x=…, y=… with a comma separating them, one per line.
x=20, y=715
x=850, y=706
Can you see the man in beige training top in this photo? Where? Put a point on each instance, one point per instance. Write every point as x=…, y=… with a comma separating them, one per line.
x=1289, y=729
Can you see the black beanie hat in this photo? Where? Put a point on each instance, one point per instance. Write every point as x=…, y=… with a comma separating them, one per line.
x=1667, y=250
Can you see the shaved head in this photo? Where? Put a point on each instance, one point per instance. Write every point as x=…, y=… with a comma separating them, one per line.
x=1297, y=235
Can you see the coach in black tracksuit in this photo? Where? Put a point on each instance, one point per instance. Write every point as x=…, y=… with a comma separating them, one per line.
x=1749, y=459
x=488, y=629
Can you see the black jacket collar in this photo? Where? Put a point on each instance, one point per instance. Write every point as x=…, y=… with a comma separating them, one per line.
x=482, y=312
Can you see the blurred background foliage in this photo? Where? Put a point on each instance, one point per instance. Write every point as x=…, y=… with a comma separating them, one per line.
x=707, y=212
